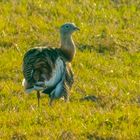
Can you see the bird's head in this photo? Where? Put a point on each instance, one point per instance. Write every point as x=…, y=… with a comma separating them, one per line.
x=68, y=28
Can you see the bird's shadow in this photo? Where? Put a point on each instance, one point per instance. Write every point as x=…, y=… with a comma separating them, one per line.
x=89, y=98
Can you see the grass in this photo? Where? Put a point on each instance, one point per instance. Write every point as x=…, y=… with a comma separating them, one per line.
x=107, y=66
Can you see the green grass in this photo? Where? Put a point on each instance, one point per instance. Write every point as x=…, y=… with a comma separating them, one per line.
x=107, y=65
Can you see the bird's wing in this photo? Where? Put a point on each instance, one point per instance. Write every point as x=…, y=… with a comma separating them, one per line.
x=58, y=76
x=57, y=73
x=69, y=75
x=62, y=82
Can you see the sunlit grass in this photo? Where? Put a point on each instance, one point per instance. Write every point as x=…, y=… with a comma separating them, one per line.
x=107, y=66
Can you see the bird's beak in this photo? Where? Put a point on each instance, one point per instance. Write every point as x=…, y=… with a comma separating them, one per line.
x=76, y=28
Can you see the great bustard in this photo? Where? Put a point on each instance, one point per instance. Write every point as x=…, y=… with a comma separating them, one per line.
x=49, y=69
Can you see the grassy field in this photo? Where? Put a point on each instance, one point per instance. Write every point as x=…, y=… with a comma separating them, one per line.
x=107, y=66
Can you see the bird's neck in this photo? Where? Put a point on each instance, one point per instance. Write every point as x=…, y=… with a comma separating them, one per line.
x=68, y=47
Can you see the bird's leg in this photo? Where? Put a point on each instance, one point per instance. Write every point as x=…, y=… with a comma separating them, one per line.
x=51, y=101
x=38, y=98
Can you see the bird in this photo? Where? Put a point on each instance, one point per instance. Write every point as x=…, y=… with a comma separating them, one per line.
x=48, y=70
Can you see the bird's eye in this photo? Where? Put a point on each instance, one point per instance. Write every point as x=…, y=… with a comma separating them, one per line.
x=67, y=26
